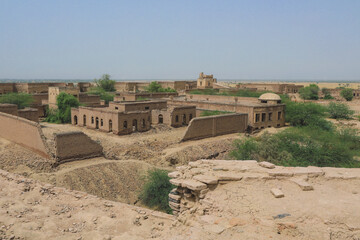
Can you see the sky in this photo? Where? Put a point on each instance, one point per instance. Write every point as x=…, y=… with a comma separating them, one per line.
x=168, y=39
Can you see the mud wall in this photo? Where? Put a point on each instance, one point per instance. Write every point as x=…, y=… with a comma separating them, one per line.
x=23, y=132
x=75, y=145
x=216, y=125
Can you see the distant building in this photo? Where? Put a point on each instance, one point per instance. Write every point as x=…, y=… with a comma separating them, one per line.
x=205, y=81
x=271, y=87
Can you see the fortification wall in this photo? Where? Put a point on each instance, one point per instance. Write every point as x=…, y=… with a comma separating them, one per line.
x=75, y=145
x=215, y=125
x=219, y=98
x=23, y=132
x=29, y=113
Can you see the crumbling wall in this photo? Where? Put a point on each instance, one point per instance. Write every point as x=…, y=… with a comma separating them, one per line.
x=29, y=113
x=216, y=125
x=75, y=145
x=23, y=132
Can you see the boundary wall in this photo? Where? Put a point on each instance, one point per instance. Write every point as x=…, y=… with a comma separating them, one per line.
x=203, y=127
x=75, y=145
x=23, y=132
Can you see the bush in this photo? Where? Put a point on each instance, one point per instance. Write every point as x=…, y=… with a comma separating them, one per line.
x=212, y=113
x=307, y=114
x=108, y=97
x=62, y=114
x=155, y=191
x=310, y=92
x=302, y=146
x=22, y=100
x=156, y=87
x=105, y=83
x=339, y=111
x=347, y=93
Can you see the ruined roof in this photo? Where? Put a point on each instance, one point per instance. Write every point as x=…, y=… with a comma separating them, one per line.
x=269, y=97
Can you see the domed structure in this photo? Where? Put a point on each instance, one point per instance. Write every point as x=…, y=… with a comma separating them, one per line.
x=270, y=98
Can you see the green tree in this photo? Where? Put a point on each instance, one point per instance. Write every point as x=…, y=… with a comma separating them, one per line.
x=310, y=92
x=22, y=100
x=340, y=111
x=156, y=87
x=108, y=97
x=105, y=83
x=347, y=93
x=155, y=191
x=326, y=93
x=64, y=103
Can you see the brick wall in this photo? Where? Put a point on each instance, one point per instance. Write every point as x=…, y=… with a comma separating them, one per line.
x=211, y=126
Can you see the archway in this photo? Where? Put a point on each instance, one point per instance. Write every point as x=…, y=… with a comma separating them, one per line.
x=75, y=120
x=84, y=118
x=161, y=118
x=134, y=125
x=97, y=123
x=110, y=126
x=184, y=119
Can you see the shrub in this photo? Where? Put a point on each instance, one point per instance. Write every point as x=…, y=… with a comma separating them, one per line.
x=310, y=92
x=22, y=100
x=306, y=114
x=156, y=87
x=339, y=111
x=155, y=191
x=302, y=146
x=105, y=83
x=62, y=114
x=347, y=93
x=108, y=97
x=212, y=113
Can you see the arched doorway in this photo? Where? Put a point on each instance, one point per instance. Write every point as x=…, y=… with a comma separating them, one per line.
x=184, y=119
x=190, y=117
x=75, y=120
x=161, y=118
x=84, y=119
x=97, y=123
x=110, y=126
x=125, y=124
x=134, y=125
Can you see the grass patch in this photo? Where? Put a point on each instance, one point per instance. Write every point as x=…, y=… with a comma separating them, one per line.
x=156, y=189
x=212, y=113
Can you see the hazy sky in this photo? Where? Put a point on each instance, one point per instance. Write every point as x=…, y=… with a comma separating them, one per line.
x=168, y=39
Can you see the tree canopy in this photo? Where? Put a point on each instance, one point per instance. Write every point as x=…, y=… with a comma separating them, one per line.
x=156, y=87
x=347, y=93
x=64, y=103
x=105, y=83
x=310, y=92
x=22, y=100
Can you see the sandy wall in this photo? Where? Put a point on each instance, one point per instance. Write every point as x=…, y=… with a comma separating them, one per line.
x=75, y=145
x=211, y=126
x=23, y=132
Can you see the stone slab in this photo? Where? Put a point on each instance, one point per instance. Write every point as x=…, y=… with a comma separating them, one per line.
x=267, y=165
x=305, y=186
x=175, y=174
x=194, y=185
x=176, y=182
x=228, y=176
x=207, y=179
x=277, y=193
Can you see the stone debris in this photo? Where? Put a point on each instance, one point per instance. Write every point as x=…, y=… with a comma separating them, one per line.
x=277, y=193
x=305, y=186
x=193, y=185
x=210, y=180
x=267, y=165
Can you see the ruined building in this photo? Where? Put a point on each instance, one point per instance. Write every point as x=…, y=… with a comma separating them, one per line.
x=205, y=81
x=127, y=117
x=271, y=87
x=266, y=111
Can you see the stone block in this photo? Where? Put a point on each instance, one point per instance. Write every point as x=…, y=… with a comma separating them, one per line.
x=281, y=173
x=277, y=193
x=267, y=165
x=174, y=205
x=175, y=174
x=229, y=177
x=206, y=179
x=176, y=182
x=175, y=197
x=305, y=186
x=194, y=185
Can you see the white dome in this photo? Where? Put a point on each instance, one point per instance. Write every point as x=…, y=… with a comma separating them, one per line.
x=269, y=97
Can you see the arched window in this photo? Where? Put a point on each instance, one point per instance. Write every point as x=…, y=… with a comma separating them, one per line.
x=101, y=122
x=125, y=124
x=143, y=123
x=84, y=119
x=161, y=119
x=97, y=123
